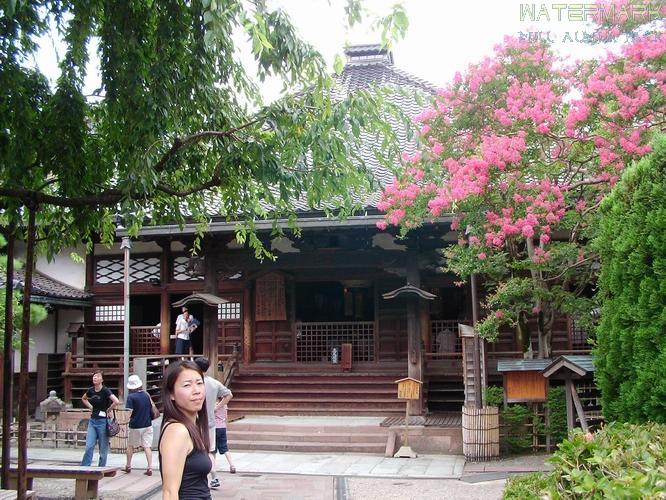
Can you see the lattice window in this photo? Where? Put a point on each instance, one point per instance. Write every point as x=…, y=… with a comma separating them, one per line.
x=182, y=270
x=315, y=341
x=110, y=313
x=109, y=271
x=229, y=311
x=141, y=270
x=578, y=337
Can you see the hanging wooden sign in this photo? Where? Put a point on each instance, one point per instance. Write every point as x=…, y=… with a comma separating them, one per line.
x=409, y=388
x=270, y=302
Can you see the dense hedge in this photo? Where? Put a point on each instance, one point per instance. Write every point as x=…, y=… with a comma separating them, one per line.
x=621, y=461
x=631, y=338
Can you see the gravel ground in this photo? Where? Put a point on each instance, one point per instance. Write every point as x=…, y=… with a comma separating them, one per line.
x=422, y=489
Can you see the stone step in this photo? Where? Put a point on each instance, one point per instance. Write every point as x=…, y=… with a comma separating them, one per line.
x=294, y=436
x=242, y=425
x=314, y=380
x=305, y=405
x=336, y=394
x=303, y=446
x=239, y=410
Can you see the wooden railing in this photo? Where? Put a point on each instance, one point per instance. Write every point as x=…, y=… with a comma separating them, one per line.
x=230, y=367
x=87, y=363
x=145, y=340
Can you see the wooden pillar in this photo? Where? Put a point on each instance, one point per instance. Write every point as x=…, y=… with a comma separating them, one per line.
x=424, y=315
x=248, y=324
x=210, y=313
x=567, y=396
x=165, y=307
x=414, y=351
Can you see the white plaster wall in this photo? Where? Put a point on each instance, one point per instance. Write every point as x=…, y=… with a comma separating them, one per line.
x=43, y=336
x=62, y=268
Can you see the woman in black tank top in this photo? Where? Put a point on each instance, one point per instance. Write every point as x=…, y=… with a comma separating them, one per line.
x=183, y=446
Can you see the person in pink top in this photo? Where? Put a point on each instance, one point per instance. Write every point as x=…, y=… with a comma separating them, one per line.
x=221, y=430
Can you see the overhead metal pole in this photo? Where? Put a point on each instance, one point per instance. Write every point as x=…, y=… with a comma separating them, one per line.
x=126, y=246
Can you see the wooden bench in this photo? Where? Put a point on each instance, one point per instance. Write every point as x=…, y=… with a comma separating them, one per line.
x=87, y=478
x=11, y=494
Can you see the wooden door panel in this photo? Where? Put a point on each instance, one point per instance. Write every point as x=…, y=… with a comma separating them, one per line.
x=392, y=337
x=230, y=324
x=273, y=341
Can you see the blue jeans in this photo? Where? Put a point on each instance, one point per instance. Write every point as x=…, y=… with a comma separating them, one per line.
x=182, y=346
x=96, y=432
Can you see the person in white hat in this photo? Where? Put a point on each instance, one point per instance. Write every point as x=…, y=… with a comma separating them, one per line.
x=140, y=423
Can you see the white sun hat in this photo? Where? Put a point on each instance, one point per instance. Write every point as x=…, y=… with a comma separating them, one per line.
x=134, y=382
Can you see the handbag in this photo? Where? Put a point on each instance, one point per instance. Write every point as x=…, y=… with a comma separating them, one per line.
x=112, y=425
x=154, y=412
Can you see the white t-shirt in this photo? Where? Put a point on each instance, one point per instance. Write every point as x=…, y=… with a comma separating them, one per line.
x=182, y=328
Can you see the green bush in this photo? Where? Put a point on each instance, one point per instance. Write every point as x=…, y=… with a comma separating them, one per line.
x=528, y=487
x=622, y=461
x=630, y=356
x=494, y=395
x=557, y=407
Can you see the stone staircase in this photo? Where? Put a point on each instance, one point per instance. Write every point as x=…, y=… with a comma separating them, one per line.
x=294, y=393
x=309, y=434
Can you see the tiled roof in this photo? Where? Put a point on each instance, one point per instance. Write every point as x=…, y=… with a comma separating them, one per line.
x=371, y=65
x=44, y=286
x=379, y=71
x=522, y=365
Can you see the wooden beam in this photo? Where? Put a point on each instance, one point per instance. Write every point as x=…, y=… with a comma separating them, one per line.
x=375, y=258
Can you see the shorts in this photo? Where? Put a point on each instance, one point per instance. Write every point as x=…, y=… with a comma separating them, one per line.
x=211, y=439
x=221, y=440
x=140, y=437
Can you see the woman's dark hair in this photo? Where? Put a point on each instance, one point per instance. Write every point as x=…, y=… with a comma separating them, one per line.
x=199, y=430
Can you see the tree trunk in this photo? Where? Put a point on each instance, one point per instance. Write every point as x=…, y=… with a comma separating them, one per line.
x=8, y=360
x=545, y=324
x=25, y=360
x=523, y=337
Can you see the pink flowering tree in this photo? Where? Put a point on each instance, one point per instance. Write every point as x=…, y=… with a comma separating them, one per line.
x=521, y=149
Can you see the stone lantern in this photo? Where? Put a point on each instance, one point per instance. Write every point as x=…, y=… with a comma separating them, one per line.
x=50, y=410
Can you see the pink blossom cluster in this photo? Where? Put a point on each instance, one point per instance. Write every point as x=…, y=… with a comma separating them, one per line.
x=517, y=136
x=530, y=101
x=541, y=205
x=540, y=256
x=500, y=150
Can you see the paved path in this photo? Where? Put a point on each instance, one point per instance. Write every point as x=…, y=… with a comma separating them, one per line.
x=268, y=475
x=309, y=476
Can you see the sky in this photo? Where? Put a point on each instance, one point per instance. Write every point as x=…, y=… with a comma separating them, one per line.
x=444, y=36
